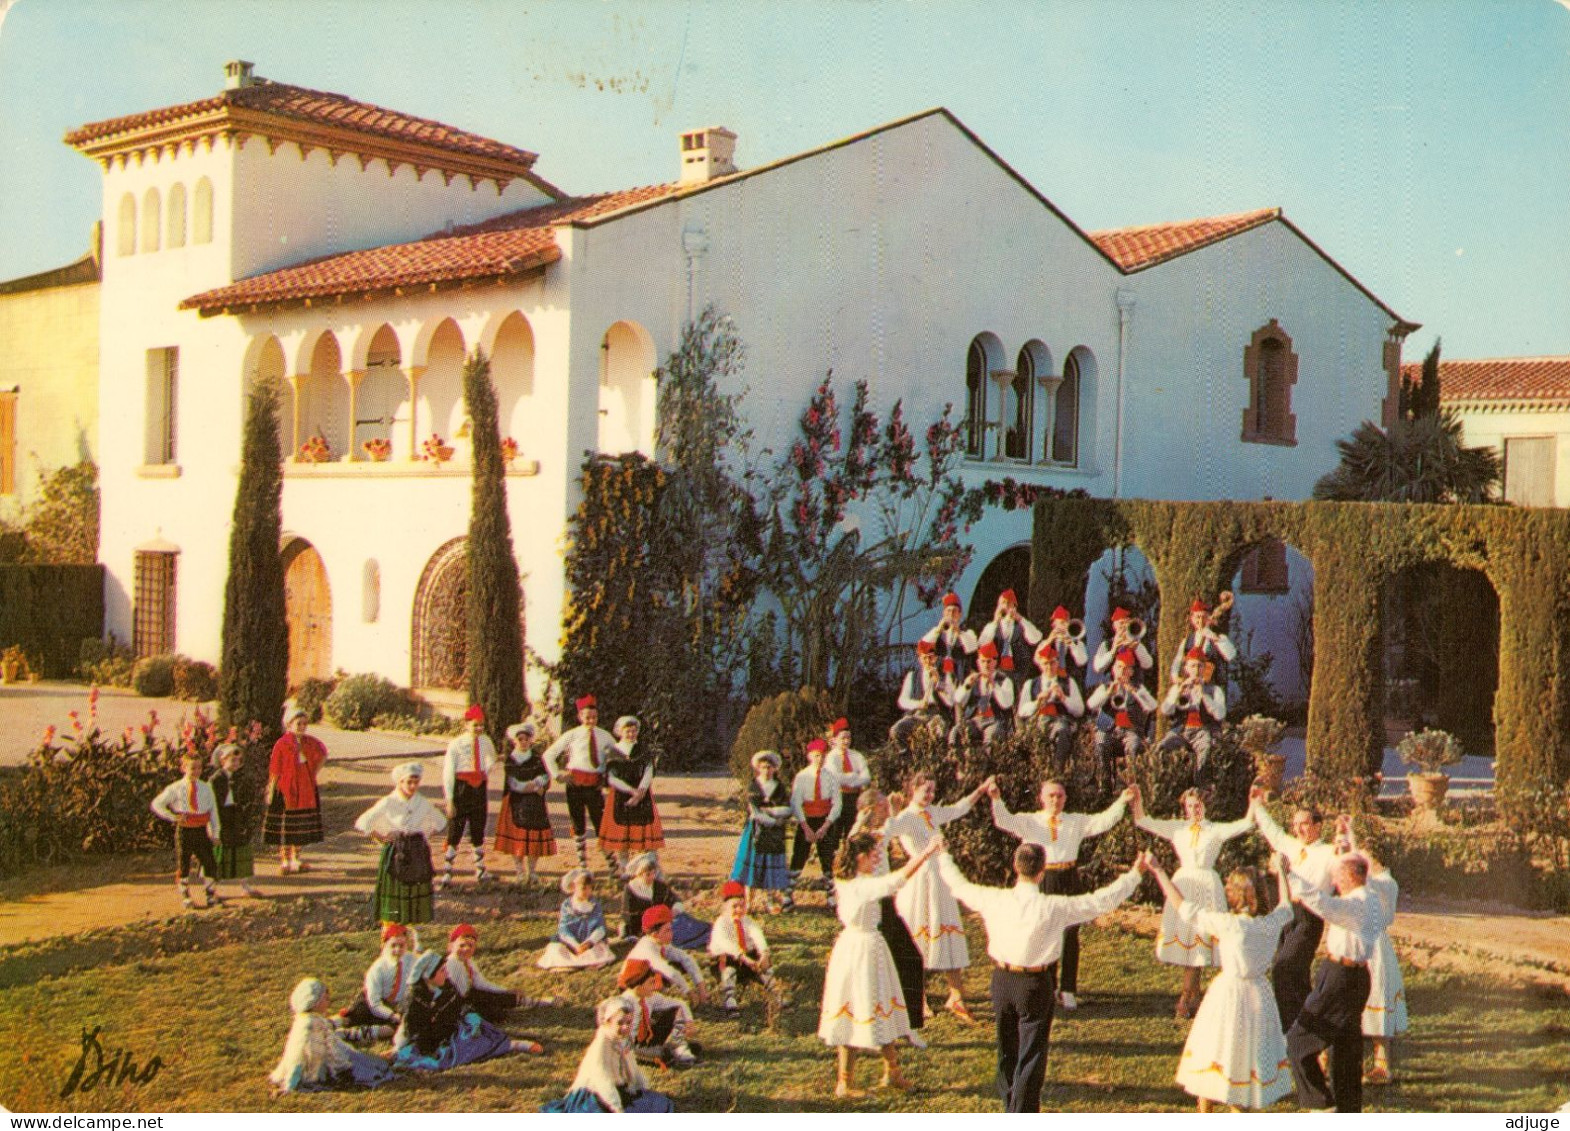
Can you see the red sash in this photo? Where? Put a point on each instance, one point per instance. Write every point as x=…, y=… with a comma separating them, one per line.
x=473, y=777
x=1123, y=721
x=817, y=808
x=193, y=820
x=1194, y=720
x=583, y=777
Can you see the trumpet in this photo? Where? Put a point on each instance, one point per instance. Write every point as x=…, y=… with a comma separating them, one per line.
x=1118, y=699
x=1072, y=631
x=1223, y=606
x=1132, y=632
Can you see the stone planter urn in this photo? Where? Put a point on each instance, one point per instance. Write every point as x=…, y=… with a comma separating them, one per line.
x=1269, y=771
x=1428, y=790
x=1429, y=751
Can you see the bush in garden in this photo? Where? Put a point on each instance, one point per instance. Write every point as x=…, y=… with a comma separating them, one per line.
x=358, y=699
x=153, y=677
x=786, y=723
x=312, y=694
x=195, y=680
x=105, y=663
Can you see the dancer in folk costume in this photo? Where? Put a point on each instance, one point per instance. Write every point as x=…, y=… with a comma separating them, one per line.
x=872, y=820
x=189, y=805
x=952, y=643
x=233, y=850
x=1124, y=638
x=1024, y=938
x=523, y=827
x=1128, y=708
x=1013, y=636
x=400, y=823
x=1235, y=1053
x=926, y=904
x=1311, y=860
x=466, y=770
x=1197, y=708
x=586, y=749
x=378, y=1008
x=661, y=1023
x=1214, y=647
x=480, y=994
x=440, y=1031
x=851, y=768
x=740, y=951
x=315, y=1058
x=1060, y=835
x=646, y=888
x=631, y=823
x=863, y=1005
x=609, y=1079
x=983, y=703
x=815, y=802
x=294, y=809
x=927, y=698
x=1384, y=1017
x=1198, y=844
x=656, y=946
x=1052, y=704
x=580, y=928
x=760, y=855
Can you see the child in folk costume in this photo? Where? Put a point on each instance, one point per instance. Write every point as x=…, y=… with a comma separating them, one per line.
x=384, y=996
x=648, y=888
x=631, y=823
x=315, y=1058
x=815, y=803
x=740, y=952
x=609, y=1079
x=1198, y=843
x=661, y=1023
x=760, y=856
x=1052, y=703
x=654, y=946
x=189, y=805
x=851, y=768
x=1384, y=1017
x=1197, y=708
x=926, y=904
x=1235, y=1053
x=863, y=1005
x=465, y=771
x=983, y=703
x=586, y=748
x=523, y=827
x=294, y=808
x=480, y=994
x=580, y=928
x=233, y=850
x=400, y=823
x=872, y=820
x=440, y=1031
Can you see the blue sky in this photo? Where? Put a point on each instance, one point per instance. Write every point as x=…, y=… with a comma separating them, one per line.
x=1423, y=144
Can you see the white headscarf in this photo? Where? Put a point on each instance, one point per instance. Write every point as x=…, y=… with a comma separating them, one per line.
x=307, y=995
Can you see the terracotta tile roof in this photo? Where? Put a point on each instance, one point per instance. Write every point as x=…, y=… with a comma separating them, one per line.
x=1500, y=379
x=317, y=107
x=1134, y=249
x=506, y=245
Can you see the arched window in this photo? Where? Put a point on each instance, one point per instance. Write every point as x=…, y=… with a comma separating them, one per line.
x=976, y=401
x=371, y=591
x=151, y=207
x=202, y=212
x=1065, y=415
x=1271, y=368
x=125, y=241
x=1021, y=409
x=176, y=216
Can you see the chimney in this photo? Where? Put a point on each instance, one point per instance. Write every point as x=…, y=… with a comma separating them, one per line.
x=237, y=74
x=706, y=154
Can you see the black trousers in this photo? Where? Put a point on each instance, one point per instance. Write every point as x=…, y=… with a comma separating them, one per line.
x=908, y=964
x=490, y=1004
x=1023, y=1005
x=848, y=801
x=1291, y=974
x=1065, y=881
x=801, y=849
x=585, y=808
x=1332, y=1018
x=469, y=805
x=194, y=842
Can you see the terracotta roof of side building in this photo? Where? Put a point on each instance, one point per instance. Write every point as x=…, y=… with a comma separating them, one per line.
x=1134, y=249
x=1500, y=379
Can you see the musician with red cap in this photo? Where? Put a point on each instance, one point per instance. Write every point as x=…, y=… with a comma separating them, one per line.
x=466, y=771
x=1123, y=709
x=1067, y=647
x=739, y=950
x=1197, y=709
x=815, y=802
x=1014, y=637
x=926, y=697
x=1124, y=639
x=984, y=703
x=1052, y=704
x=854, y=775
x=1214, y=646
x=587, y=750
x=952, y=643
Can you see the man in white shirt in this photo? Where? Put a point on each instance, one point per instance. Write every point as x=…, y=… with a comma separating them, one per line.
x=1332, y=1017
x=466, y=771
x=952, y=643
x=851, y=768
x=1311, y=860
x=1014, y=637
x=587, y=749
x=815, y=802
x=983, y=704
x=926, y=697
x=1024, y=940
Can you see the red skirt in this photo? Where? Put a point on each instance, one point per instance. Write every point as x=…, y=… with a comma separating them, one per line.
x=642, y=836
x=518, y=840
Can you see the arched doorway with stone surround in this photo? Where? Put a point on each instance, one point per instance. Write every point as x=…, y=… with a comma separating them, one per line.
x=308, y=610
x=440, y=636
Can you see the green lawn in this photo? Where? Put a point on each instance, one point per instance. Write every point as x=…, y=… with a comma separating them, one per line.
x=214, y=1011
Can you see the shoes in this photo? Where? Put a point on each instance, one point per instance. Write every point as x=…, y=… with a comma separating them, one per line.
x=442, y=882
x=681, y=1056
x=533, y=1048
x=959, y=1009
x=1377, y=1075
x=917, y=1041
x=1069, y=1002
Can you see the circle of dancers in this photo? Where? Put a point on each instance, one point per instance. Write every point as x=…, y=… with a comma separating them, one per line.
x=1268, y=1024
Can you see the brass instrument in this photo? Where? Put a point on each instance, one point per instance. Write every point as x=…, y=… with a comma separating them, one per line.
x=1118, y=699
x=1134, y=630
x=1078, y=637
x=1223, y=606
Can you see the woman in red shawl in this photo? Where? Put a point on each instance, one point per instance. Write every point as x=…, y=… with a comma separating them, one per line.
x=294, y=814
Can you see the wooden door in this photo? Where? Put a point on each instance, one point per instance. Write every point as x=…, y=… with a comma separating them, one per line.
x=308, y=606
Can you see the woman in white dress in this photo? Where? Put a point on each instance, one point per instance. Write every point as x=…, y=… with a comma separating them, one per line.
x=1198, y=843
x=926, y=903
x=863, y=1006
x=1235, y=1053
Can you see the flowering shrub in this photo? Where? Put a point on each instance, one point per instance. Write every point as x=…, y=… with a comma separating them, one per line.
x=1430, y=750
x=315, y=450
x=510, y=449
x=377, y=447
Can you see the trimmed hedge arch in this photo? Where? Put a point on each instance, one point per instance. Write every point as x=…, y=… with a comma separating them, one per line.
x=1194, y=549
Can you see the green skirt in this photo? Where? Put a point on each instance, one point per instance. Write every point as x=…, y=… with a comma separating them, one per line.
x=398, y=902
x=234, y=861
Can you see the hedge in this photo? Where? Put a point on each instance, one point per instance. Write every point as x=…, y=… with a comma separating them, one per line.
x=1195, y=548
x=49, y=610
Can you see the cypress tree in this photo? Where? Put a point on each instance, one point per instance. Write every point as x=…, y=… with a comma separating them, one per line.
x=254, y=664
x=495, y=625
